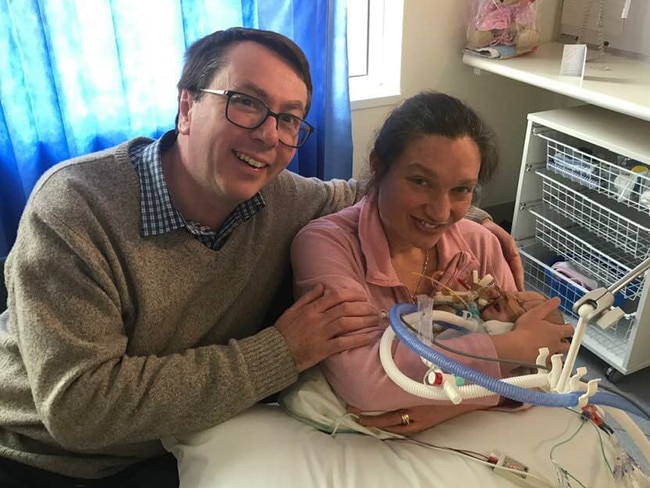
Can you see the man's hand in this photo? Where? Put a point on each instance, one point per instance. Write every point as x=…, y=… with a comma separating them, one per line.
x=325, y=321
x=510, y=251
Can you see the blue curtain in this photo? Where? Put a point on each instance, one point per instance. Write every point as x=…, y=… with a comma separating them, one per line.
x=83, y=75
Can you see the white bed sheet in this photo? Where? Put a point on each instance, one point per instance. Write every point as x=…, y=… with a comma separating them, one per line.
x=266, y=447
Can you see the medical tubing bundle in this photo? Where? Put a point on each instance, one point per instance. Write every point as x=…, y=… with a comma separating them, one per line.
x=492, y=384
x=501, y=387
x=614, y=405
x=447, y=391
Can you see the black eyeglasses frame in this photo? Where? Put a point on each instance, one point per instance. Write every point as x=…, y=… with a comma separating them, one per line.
x=305, y=127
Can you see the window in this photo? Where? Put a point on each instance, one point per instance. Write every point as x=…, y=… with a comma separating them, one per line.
x=374, y=51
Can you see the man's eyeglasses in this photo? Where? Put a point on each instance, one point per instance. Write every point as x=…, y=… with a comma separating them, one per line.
x=249, y=113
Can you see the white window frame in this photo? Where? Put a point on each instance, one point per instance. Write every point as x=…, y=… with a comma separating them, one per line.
x=381, y=85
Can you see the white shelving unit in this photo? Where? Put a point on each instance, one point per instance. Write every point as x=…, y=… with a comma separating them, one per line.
x=581, y=199
x=617, y=82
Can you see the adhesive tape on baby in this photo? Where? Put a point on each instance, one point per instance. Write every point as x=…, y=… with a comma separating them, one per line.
x=625, y=183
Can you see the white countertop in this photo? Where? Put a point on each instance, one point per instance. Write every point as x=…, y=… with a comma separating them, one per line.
x=615, y=82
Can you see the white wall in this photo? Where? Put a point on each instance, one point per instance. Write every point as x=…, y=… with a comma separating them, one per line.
x=431, y=59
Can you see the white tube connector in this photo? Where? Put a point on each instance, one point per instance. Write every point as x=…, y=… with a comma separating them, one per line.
x=585, y=311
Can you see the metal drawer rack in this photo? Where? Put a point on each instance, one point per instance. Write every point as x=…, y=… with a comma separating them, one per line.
x=584, y=198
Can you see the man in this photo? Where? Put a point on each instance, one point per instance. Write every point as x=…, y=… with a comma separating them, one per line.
x=141, y=276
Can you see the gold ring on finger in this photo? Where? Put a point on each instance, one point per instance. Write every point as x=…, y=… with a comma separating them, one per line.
x=406, y=419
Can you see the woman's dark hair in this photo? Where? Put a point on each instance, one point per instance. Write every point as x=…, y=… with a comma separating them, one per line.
x=209, y=54
x=432, y=113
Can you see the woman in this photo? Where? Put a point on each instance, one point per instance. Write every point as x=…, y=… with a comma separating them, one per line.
x=428, y=159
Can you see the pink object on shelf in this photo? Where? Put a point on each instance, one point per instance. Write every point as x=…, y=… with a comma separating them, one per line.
x=568, y=270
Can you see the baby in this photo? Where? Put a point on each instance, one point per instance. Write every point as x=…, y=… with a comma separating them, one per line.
x=483, y=306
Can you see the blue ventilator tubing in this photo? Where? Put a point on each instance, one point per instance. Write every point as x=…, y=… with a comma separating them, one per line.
x=608, y=399
x=499, y=387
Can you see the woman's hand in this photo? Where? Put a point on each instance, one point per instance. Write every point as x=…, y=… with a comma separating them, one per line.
x=531, y=299
x=538, y=330
x=509, y=306
x=532, y=331
x=408, y=421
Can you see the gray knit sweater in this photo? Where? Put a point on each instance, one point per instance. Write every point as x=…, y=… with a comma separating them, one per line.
x=113, y=341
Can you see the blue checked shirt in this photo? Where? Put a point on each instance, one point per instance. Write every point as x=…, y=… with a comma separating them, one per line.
x=158, y=214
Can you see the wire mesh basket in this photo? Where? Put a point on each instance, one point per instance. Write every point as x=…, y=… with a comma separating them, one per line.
x=624, y=180
x=543, y=279
x=606, y=263
x=584, y=209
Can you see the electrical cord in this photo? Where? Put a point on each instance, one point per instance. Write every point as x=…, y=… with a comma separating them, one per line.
x=563, y=474
x=474, y=456
x=600, y=438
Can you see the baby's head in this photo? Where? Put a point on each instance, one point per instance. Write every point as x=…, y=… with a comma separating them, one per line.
x=499, y=305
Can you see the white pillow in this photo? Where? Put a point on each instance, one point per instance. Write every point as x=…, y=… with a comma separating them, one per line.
x=268, y=448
